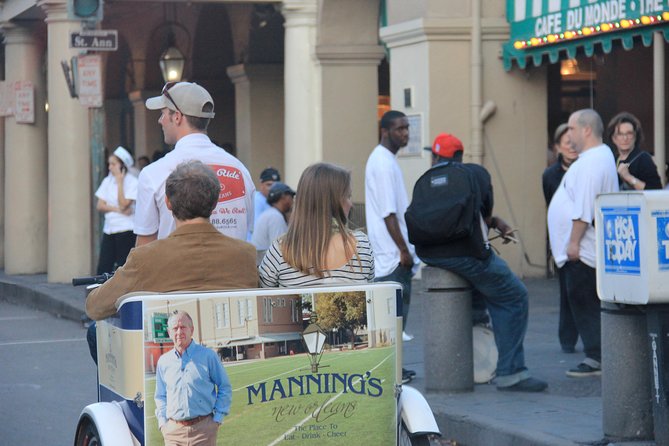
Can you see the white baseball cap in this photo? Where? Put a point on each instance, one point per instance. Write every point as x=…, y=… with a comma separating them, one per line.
x=188, y=98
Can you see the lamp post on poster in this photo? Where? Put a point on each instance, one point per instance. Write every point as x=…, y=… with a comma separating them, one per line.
x=313, y=338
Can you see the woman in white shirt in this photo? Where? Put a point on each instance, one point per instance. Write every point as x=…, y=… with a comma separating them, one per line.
x=318, y=247
x=116, y=198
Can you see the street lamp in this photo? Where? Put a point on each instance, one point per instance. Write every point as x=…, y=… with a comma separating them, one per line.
x=313, y=338
x=172, y=62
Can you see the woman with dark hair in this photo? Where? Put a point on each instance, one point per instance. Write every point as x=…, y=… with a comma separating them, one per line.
x=116, y=197
x=551, y=179
x=636, y=169
x=566, y=156
x=319, y=248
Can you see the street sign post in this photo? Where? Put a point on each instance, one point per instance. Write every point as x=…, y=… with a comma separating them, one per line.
x=95, y=40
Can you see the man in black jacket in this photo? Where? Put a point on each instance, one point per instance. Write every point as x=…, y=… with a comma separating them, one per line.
x=472, y=258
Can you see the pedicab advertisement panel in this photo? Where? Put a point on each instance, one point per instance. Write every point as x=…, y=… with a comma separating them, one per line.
x=342, y=392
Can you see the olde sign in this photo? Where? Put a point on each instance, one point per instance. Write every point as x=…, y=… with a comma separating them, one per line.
x=95, y=40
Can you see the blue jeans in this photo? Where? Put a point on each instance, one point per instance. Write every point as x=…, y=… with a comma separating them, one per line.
x=403, y=276
x=506, y=299
x=92, y=339
x=581, y=290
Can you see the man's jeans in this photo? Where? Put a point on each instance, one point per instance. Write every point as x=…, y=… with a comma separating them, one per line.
x=403, y=276
x=581, y=286
x=567, y=329
x=506, y=298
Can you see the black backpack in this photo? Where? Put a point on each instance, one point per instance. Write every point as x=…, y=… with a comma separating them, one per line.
x=445, y=206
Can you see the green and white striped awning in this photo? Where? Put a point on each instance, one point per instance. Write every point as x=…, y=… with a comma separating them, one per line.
x=546, y=27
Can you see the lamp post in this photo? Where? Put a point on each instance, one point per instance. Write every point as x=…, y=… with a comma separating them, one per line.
x=313, y=338
x=172, y=62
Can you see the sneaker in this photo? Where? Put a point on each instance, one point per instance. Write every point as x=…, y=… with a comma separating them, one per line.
x=407, y=375
x=406, y=336
x=584, y=370
x=526, y=385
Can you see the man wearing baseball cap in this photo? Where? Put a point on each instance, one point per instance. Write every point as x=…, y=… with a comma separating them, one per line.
x=274, y=222
x=186, y=109
x=472, y=258
x=267, y=179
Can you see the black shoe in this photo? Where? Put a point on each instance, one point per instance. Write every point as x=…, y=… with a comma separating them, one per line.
x=526, y=385
x=584, y=370
x=407, y=375
x=568, y=349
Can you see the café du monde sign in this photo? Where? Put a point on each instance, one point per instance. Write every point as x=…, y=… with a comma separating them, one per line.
x=546, y=26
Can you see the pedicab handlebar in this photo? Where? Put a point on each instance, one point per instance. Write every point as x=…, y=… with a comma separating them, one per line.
x=91, y=280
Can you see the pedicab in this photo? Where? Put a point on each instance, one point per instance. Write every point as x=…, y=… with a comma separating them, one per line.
x=308, y=366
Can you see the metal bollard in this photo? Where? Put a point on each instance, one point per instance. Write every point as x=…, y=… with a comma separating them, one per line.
x=626, y=392
x=658, y=340
x=449, y=363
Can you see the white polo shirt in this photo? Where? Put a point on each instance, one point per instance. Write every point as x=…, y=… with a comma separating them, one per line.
x=116, y=222
x=233, y=215
x=385, y=194
x=593, y=173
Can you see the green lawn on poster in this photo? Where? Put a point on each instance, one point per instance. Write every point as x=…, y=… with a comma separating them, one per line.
x=325, y=418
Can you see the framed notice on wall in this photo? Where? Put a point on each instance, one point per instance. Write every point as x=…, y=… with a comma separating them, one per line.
x=415, y=145
x=24, y=102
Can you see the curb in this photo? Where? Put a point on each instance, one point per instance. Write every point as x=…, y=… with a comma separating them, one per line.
x=55, y=299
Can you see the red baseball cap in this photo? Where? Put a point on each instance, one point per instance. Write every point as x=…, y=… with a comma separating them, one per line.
x=446, y=145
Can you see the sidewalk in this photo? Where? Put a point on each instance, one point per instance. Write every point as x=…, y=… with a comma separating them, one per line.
x=569, y=413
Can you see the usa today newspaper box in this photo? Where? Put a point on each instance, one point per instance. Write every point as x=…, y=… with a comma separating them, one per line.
x=633, y=268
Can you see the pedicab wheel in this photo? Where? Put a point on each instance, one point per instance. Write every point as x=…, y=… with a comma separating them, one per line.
x=405, y=439
x=87, y=434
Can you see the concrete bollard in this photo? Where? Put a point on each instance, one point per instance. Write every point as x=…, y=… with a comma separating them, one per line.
x=627, y=412
x=449, y=363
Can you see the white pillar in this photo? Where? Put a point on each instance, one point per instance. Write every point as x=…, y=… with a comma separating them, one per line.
x=259, y=107
x=25, y=161
x=302, y=146
x=69, y=244
x=659, y=104
x=349, y=98
x=148, y=134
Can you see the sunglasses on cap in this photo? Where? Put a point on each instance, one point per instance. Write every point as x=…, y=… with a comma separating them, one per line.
x=165, y=92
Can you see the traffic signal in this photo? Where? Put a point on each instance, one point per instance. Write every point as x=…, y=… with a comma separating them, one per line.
x=89, y=10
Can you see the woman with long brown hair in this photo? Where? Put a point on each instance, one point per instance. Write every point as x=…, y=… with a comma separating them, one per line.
x=319, y=247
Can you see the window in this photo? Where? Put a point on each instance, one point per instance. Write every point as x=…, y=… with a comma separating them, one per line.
x=249, y=308
x=267, y=310
x=222, y=315
x=294, y=311
x=241, y=312
x=219, y=316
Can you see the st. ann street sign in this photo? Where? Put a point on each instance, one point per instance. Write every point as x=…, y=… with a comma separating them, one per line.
x=96, y=40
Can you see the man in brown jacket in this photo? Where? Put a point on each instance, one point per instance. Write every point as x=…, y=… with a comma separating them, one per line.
x=195, y=257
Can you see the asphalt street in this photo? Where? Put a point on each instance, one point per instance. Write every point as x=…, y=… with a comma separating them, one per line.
x=46, y=377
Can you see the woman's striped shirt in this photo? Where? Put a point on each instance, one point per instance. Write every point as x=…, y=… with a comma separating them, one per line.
x=275, y=272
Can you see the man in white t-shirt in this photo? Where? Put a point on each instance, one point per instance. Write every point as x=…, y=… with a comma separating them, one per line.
x=571, y=215
x=186, y=109
x=386, y=201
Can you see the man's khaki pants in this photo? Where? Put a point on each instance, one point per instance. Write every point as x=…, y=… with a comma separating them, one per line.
x=202, y=433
